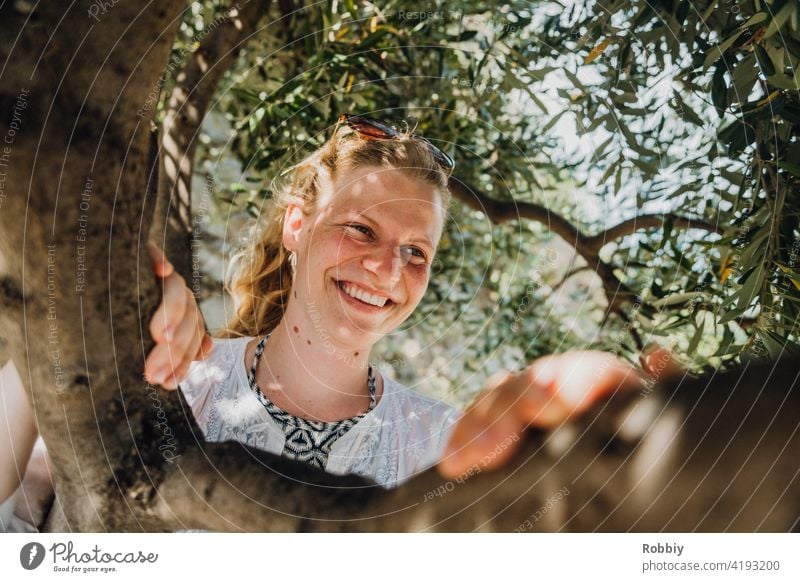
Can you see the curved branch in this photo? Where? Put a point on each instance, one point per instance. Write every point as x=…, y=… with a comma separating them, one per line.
x=501, y=211
x=569, y=275
x=185, y=109
x=645, y=221
x=228, y=487
x=617, y=293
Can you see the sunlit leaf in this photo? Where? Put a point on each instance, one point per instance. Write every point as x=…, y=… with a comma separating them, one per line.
x=598, y=50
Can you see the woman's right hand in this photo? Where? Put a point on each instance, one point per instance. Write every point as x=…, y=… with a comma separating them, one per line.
x=177, y=327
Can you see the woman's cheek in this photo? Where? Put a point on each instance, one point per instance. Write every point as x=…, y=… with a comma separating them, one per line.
x=338, y=249
x=418, y=280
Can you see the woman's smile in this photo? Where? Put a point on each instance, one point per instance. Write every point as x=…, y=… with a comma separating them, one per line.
x=365, y=294
x=362, y=299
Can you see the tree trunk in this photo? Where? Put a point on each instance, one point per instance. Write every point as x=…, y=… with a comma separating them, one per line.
x=77, y=292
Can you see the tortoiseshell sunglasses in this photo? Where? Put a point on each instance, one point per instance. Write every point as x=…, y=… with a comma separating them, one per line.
x=374, y=129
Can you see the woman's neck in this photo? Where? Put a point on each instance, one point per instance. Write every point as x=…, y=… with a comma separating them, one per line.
x=305, y=372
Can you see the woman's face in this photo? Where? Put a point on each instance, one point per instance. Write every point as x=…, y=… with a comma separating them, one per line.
x=364, y=255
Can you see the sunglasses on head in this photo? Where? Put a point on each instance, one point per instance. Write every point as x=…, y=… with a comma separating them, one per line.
x=370, y=128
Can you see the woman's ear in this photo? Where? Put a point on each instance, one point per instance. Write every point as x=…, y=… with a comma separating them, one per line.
x=293, y=221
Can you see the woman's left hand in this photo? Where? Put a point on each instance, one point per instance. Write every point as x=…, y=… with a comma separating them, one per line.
x=545, y=394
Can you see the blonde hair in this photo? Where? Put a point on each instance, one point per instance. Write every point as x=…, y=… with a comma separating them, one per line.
x=260, y=276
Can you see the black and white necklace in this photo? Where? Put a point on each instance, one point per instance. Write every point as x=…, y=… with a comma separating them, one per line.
x=307, y=440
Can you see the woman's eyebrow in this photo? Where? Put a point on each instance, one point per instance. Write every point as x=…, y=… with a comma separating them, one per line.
x=425, y=240
x=375, y=224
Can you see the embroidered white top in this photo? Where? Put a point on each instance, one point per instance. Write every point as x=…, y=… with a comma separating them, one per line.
x=405, y=433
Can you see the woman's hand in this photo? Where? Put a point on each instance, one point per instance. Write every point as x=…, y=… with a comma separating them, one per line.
x=545, y=394
x=177, y=327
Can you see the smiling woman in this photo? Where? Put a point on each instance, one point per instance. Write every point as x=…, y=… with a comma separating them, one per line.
x=368, y=248
x=342, y=259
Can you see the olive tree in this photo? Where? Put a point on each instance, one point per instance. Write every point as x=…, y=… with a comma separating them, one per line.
x=101, y=106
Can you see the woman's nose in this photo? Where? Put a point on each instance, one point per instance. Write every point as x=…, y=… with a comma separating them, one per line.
x=386, y=262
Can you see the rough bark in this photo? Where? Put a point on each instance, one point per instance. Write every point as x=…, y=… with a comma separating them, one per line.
x=74, y=215
x=708, y=454
x=76, y=292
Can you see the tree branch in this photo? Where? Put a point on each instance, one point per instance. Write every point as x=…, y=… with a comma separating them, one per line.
x=569, y=275
x=185, y=109
x=617, y=293
x=502, y=211
x=71, y=244
x=646, y=221
x=603, y=472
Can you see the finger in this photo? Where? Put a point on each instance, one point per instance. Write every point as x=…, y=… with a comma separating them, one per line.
x=161, y=265
x=178, y=374
x=484, y=401
x=658, y=361
x=183, y=347
x=188, y=335
x=584, y=377
x=485, y=434
x=180, y=370
x=171, y=310
x=505, y=393
x=166, y=366
x=532, y=394
x=187, y=343
x=159, y=365
x=500, y=397
x=621, y=376
x=541, y=403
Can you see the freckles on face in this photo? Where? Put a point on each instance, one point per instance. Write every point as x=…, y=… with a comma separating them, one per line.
x=378, y=230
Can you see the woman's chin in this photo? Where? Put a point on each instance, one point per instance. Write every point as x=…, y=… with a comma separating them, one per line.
x=351, y=331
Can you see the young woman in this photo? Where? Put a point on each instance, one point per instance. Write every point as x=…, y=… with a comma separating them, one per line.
x=343, y=258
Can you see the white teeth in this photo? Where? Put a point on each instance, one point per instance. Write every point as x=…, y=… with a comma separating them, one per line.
x=362, y=295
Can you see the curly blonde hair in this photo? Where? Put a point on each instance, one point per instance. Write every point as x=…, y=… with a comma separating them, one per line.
x=260, y=274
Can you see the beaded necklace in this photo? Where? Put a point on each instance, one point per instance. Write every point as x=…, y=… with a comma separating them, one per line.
x=307, y=440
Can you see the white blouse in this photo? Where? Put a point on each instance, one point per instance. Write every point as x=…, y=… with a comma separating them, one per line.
x=405, y=433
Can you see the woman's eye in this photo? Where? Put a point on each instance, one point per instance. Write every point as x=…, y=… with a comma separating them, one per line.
x=360, y=228
x=416, y=255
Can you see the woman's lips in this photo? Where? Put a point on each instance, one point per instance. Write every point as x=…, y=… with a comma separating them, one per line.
x=360, y=304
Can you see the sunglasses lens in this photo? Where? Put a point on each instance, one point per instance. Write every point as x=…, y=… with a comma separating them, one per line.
x=371, y=127
x=370, y=130
x=442, y=158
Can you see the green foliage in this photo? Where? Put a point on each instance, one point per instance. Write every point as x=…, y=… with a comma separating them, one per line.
x=601, y=112
x=731, y=163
